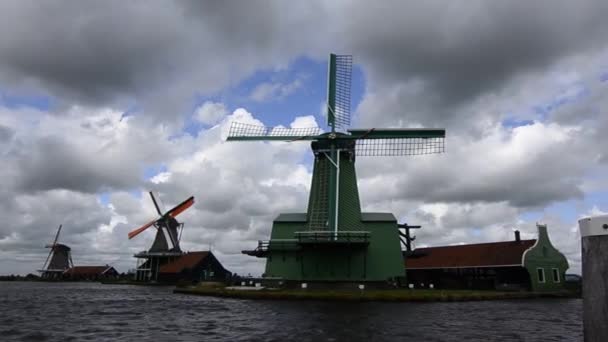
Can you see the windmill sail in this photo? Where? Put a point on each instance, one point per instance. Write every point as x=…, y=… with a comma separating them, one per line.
x=338, y=90
x=51, y=246
x=243, y=131
x=398, y=142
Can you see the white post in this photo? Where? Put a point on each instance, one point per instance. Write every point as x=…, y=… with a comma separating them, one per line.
x=594, y=243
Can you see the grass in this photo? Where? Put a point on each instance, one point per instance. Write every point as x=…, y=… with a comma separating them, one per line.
x=132, y=282
x=396, y=295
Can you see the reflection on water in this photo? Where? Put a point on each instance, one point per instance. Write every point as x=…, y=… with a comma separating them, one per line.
x=95, y=312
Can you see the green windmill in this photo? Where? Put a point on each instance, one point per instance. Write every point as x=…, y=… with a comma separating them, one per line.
x=334, y=241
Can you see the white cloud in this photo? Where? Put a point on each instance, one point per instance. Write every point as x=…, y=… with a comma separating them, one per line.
x=210, y=112
x=161, y=177
x=304, y=122
x=275, y=90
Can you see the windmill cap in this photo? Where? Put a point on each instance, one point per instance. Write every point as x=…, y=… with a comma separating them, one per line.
x=325, y=144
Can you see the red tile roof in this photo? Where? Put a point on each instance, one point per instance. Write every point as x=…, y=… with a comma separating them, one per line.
x=188, y=260
x=475, y=255
x=87, y=270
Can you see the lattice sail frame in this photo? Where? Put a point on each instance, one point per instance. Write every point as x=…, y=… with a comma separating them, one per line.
x=369, y=143
x=243, y=130
x=399, y=147
x=338, y=90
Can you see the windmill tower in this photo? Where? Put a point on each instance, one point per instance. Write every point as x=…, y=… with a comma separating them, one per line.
x=334, y=241
x=165, y=247
x=60, y=259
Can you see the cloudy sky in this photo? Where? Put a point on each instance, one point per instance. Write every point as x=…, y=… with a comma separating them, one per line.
x=101, y=102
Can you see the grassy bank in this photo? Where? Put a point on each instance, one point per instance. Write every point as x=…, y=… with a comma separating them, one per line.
x=133, y=282
x=397, y=295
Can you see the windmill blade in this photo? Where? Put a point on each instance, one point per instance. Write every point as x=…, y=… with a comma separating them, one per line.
x=398, y=133
x=398, y=142
x=243, y=132
x=338, y=90
x=159, y=201
x=171, y=232
x=47, y=258
x=52, y=245
x=135, y=232
x=155, y=204
x=180, y=208
x=57, y=235
x=181, y=230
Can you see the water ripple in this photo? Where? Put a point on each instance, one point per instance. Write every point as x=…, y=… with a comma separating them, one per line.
x=95, y=312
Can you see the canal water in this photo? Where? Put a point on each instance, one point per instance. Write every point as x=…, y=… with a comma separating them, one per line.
x=93, y=312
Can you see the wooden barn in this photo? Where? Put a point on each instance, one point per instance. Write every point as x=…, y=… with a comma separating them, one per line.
x=509, y=265
x=90, y=273
x=193, y=267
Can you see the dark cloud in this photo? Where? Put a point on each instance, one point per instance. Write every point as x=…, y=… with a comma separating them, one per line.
x=159, y=54
x=590, y=113
x=470, y=48
x=82, y=150
x=437, y=58
x=5, y=134
x=155, y=54
x=93, y=52
x=32, y=220
x=56, y=164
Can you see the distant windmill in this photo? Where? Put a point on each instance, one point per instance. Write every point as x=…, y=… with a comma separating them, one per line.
x=60, y=259
x=334, y=240
x=165, y=247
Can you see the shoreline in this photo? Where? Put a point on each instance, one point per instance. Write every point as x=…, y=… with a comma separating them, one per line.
x=397, y=295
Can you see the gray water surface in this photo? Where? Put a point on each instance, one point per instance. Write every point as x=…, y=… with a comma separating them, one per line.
x=32, y=311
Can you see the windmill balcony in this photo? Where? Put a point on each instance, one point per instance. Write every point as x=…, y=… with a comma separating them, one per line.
x=333, y=238
x=310, y=238
x=264, y=246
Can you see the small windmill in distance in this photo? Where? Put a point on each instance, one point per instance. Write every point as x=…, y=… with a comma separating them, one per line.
x=60, y=259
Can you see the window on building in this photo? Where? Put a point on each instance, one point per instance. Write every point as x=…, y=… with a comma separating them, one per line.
x=556, y=275
x=541, y=275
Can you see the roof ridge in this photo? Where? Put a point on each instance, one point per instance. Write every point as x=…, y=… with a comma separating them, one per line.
x=480, y=243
